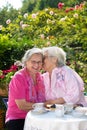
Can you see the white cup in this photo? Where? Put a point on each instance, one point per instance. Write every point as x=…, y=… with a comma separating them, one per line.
x=38, y=106
x=59, y=110
x=68, y=107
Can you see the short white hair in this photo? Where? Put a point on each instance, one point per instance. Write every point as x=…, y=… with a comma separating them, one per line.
x=29, y=53
x=57, y=52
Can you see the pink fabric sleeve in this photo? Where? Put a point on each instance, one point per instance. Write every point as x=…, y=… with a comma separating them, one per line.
x=73, y=89
x=17, y=87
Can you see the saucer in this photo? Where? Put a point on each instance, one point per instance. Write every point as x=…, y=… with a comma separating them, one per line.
x=39, y=111
x=81, y=109
x=77, y=114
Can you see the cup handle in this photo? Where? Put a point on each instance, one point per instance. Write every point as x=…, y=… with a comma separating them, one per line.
x=33, y=106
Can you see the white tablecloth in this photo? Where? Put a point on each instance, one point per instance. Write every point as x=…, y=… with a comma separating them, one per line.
x=49, y=121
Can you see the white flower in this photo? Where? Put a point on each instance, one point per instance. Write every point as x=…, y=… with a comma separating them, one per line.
x=34, y=15
x=42, y=36
x=0, y=27
x=48, y=38
x=37, y=13
x=75, y=15
x=46, y=9
x=63, y=19
x=18, y=63
x=48, y=21
x=24, y=26
x=8, y=21
x=51, y=12
x=21, y=22
x=48, y=43
x=25, y=15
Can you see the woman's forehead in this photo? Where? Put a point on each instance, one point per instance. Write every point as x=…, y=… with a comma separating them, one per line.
x=38, y=55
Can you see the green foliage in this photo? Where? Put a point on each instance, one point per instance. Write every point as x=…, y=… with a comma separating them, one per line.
x=65, y=27
x=12, y=50
x=6, y=75
x=28, y=5
x=5, y=81
x=35, y=5
x=6, y=13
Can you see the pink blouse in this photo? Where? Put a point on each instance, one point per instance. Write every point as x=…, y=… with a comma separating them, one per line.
x=22, y=87
x=65, y=83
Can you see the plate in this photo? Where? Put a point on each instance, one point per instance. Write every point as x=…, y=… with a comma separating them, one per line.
x=77, y=114
x=81, y=109
x=39, y=111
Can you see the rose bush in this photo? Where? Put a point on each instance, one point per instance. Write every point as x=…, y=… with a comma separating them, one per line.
x=6, y=75
x=64, y=26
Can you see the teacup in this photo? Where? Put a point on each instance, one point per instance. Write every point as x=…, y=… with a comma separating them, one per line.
x=59, y=110
x=68, y=107
x=78, y=113
x=38, y=106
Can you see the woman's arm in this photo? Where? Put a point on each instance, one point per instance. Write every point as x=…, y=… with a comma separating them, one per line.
x=23, y=104
x=55, y=101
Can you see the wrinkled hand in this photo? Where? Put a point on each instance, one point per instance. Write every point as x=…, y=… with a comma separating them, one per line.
x=50, y=102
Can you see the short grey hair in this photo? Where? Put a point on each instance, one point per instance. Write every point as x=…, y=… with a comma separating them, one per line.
x=57, y=52
x=29, y=53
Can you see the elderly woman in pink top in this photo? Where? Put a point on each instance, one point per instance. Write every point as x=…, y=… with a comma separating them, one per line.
x=25, y=89
x=62, y=84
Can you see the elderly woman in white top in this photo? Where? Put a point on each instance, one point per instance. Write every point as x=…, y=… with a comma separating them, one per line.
x=62, y=84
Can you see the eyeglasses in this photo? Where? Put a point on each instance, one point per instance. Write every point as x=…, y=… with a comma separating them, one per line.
x=36, y=62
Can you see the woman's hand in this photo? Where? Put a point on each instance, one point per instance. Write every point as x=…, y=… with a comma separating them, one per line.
x=55, y=101
x=49, y=102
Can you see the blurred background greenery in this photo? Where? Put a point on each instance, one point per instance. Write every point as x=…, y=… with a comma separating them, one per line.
x=40, y=23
